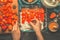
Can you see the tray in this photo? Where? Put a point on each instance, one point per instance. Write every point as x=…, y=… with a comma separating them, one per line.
x=29, y=6
x=7, y=7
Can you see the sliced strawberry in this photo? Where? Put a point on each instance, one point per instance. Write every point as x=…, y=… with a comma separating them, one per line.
x=10, y=1
x=4, y=27
x=42, y=10
x=10, y=27
x=52, y=15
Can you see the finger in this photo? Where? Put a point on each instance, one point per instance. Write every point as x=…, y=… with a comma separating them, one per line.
x=15, y=27
x=36, y=19
x=16, y=23
x=31, y=24
x=40, y=22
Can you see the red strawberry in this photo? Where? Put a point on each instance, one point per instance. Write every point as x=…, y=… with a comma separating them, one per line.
x=10, y=1
x=4, y=27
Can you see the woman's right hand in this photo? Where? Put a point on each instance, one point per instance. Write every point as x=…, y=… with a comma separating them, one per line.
x=36, y=26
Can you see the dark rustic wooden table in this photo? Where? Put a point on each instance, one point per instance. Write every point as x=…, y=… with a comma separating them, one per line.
x=31, y=36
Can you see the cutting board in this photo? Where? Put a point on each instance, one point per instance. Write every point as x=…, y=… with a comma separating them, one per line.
x=14, y=8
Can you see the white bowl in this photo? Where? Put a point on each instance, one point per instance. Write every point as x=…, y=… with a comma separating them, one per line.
x=51, y=4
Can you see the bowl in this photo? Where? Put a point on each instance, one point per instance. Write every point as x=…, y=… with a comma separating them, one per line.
x=32, y=2
x=50, y=3
x=53, y=26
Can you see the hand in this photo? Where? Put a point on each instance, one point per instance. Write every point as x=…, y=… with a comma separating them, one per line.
x=36, y=26
x=16, y=32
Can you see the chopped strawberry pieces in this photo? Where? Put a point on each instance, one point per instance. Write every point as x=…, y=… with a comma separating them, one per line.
x=29, y=14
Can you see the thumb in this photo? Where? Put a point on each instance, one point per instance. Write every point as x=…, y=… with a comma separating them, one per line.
x=32, y=24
